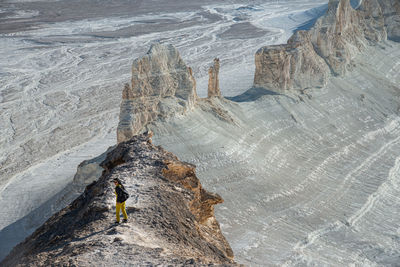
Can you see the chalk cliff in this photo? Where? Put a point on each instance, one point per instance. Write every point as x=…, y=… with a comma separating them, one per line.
x=172, y=221
x=333, y=42
x=159, y=75
x=294, y=65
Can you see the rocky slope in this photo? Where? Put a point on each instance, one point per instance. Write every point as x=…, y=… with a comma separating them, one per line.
x=328, y=47
x=172, y=221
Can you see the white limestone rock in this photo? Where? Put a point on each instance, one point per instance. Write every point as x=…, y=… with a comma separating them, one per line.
x=160, y=80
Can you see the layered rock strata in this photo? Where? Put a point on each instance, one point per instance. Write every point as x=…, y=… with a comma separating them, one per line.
x=213, y=80
x=161, y=74
x=332, y=43
x=172, y=222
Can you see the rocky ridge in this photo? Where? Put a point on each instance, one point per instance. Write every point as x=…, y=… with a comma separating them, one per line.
x=327, y=48
x=172, y=221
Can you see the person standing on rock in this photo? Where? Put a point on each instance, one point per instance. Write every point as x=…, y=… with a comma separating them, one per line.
x=122, y=196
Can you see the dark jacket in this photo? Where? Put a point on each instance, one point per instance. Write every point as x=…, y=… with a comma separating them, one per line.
x=119, y=191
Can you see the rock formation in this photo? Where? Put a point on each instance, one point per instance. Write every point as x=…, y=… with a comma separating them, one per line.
x=373, y=22
x=172, y=222
x=337, y=36
x=294, y=65
x=335, y=39
x=213, y=80
x=391, y=14
x=160, y=74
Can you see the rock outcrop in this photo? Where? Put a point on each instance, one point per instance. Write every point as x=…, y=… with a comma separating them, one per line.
x=391, y=14
x=172, y=222
x=373, y=22
x=160, y=75
x=213, y=80
x=294, y=65
x=335, y=39
x=337, y=36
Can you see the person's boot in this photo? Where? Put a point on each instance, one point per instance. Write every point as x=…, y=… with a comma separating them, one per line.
x=125, y=220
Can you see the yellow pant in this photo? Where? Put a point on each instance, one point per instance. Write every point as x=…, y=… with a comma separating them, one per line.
x=119, y=207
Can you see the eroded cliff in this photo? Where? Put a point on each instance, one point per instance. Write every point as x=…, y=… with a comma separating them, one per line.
x=329, y=47
x=159, y=75
x=294, y=65
x=172, y=221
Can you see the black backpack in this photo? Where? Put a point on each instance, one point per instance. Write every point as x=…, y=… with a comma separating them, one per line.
x=124, y=195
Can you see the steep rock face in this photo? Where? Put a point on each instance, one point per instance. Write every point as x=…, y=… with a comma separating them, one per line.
x=373, y=21
x=391, y=13
x=337, y=36
x=213, y=80
x=160, y=74
x=335, y=39
x=172, y=222
x=291, y=66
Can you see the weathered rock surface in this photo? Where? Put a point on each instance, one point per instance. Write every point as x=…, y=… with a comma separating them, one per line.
x=213, y=80
x=172, y=222
x=373, y=21
x=160, y=74
x=391, y=13
x=336, y=38
x=294, y=65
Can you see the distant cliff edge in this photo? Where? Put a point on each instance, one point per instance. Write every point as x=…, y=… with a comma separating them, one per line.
x=328, y=48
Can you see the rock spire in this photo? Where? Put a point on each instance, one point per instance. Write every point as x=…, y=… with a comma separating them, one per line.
x=213, y=80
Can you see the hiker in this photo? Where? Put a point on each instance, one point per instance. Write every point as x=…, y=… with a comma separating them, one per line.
x=122, y=196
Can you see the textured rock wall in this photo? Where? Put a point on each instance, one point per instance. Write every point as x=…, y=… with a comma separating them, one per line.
x=292, y=66
x=337, y=36
x=335, y=40
x=172, y=222
x=160, y=74
x=391, y=13
x=373, y=22
x=213, y=80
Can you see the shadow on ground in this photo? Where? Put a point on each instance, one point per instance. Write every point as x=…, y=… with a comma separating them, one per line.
x=252, y=94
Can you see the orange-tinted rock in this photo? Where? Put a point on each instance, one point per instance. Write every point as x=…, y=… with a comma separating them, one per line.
x=291, y=66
